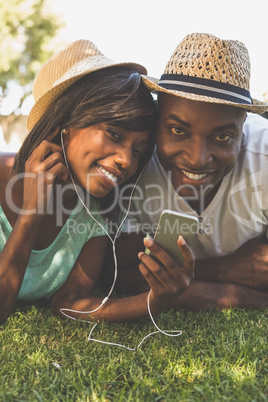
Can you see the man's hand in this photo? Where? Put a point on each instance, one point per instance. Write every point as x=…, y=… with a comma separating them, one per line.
x=248, y=266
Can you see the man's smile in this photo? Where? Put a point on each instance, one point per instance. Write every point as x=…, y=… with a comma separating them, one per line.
x=194, y=176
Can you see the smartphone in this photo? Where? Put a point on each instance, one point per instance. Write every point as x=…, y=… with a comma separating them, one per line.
x=172, y=224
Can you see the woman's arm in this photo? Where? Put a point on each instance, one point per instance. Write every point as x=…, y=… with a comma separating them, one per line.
x=166, y=281
x=77, y=293
x=40, y=173
x=13, y=262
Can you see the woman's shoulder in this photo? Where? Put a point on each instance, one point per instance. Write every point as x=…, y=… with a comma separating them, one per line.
x=6, y=163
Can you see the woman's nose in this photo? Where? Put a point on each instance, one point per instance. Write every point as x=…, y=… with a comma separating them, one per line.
x=123, y=158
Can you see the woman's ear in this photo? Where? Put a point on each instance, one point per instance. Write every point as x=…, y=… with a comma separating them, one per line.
x=64, y=136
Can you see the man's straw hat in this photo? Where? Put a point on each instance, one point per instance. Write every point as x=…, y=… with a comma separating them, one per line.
x=63, y=69
x=209, y=69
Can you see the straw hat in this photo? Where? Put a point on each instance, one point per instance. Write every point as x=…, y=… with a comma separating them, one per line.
x=63, y=69
x=209, y=69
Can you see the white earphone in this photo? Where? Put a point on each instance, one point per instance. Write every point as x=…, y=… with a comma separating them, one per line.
x=64, y=311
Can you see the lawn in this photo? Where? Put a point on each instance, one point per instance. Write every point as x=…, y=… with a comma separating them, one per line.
x=220, y=356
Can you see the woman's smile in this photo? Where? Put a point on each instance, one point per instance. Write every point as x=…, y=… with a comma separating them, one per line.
x=109, y=176
x=103, y=156
x=107, y=173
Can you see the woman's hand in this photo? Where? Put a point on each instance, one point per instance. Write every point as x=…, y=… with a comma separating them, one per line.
x=166, y=278
x=41, y=169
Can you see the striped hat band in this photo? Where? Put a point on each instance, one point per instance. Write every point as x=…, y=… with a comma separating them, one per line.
x=205, y=87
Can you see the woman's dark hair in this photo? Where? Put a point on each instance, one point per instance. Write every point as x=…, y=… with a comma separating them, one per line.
x=116, y=95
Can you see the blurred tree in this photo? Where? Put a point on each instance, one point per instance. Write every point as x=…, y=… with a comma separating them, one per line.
x=26, y=29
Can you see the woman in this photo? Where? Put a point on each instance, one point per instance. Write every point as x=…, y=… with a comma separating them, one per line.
x=91, y=132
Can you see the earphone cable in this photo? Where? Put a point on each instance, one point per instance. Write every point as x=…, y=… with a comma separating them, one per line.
x=64, y=311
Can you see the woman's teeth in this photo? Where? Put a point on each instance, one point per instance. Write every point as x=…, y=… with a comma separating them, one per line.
x=194, y=176
x=108, y=174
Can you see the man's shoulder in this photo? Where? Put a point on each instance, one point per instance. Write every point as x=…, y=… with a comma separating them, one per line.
x=255, y=132
x=154, y=176
x=153, y=168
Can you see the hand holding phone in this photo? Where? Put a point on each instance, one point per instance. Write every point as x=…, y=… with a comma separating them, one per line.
x=172, y=224
x=171, y=269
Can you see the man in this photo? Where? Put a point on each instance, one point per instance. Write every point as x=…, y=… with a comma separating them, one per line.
x=211, y=162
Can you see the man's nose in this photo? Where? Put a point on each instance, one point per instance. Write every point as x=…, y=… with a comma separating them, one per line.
x=199, y=154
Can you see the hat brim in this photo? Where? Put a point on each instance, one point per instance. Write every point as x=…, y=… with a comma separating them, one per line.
x=152, y=84
x=79, y=70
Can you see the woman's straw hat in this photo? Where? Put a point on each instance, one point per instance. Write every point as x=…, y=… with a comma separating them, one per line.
x=67, y=66
x=209, y=69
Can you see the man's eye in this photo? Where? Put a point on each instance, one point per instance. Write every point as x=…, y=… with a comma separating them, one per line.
x=223, y=137
x=177, y=130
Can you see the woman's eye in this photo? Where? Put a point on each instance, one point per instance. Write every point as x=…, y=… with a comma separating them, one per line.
x=114, y=134
x=138, y=154
x=223, y=137
x=177, y=130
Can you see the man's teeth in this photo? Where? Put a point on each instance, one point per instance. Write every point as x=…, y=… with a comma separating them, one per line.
x=194, y=176
x=108, y=174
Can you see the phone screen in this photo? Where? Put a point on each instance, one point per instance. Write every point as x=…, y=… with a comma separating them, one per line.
x=172, y=224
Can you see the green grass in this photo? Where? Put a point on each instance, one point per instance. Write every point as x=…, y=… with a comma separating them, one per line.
x=220, y=356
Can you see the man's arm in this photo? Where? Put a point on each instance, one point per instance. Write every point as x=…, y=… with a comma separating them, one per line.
x=204, y=296
x=248, y=266
x=222, y=282
x=236, y=280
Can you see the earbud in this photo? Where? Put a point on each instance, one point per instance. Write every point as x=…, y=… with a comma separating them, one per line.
x=64, y=131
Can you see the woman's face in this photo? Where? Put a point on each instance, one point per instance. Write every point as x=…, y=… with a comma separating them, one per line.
x=103, y=156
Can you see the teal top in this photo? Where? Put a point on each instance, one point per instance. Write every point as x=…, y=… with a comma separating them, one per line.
x=48, y=269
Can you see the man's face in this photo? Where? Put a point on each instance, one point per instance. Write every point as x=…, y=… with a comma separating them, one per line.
x=198, y=143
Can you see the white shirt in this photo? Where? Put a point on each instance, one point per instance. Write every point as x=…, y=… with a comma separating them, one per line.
x=237, y=213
